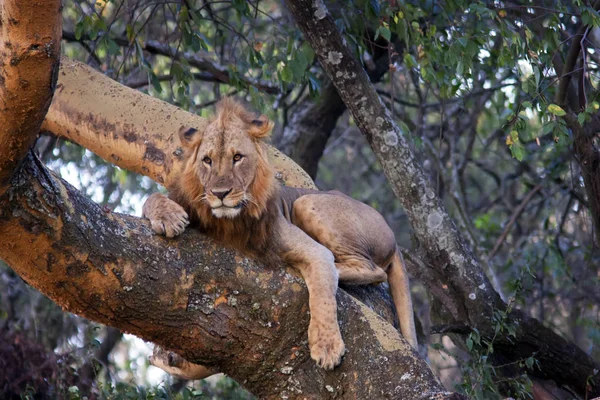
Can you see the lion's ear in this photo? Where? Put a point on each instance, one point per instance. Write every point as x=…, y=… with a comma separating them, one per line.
x=189, y=137
x=260, y=127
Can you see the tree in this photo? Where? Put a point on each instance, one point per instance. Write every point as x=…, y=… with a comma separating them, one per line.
x=457, y=82
x=118, y=272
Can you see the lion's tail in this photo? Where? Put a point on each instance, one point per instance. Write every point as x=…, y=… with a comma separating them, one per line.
x=400, y=288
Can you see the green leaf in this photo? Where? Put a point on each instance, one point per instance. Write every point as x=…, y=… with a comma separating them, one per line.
x=469, y=343
x=375, y=7
x=529, y=362
x=402, y=31
x=385, y=32
x=287, y=75
x=556, y=110
x=79, y=30
x=548, y=128
x=178, y=72
x=409, y=60
x=155, y=82
x=460, y=68
x=518, y=152
x=297, y=68
x=581, y=118
x=308, y=52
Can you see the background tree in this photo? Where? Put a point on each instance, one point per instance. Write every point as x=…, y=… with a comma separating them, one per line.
x=497, y=101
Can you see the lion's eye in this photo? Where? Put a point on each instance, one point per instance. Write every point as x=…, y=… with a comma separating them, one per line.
x=237, y=157
x=207, y=160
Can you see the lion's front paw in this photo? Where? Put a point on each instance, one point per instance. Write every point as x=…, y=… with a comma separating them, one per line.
x=326, y=345
x=166, y=217
x=170, y=222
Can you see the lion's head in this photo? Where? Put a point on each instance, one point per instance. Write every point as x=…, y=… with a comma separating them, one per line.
x=227, y=171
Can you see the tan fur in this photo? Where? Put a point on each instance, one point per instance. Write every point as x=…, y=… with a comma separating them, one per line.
x=228, y=190
x=177, y=366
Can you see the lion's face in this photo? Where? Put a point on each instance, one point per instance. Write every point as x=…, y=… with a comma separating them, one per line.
x=226, y=163
x=226, y=158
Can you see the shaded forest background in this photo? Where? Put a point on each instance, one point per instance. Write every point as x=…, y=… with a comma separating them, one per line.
x=478, y=89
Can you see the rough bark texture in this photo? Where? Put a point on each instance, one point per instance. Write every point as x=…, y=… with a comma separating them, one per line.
x=207, y=303
x=452, y=275
x=587, y=154
x=129, y=128
x=29, y=57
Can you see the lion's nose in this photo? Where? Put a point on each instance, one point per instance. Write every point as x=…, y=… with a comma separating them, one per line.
x=221, y=193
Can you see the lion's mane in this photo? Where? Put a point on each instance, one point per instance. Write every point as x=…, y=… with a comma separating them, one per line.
x=250, y=230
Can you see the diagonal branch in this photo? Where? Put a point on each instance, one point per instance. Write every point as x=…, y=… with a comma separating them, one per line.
x=450, y=271
x=128, y=128
x=513, y=219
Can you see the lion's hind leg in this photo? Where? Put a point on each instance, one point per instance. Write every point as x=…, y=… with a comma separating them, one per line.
x=359, y=271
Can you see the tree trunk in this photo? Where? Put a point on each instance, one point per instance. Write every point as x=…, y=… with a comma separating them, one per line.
x=29, y=57
x=208, y=304
x=452, y=275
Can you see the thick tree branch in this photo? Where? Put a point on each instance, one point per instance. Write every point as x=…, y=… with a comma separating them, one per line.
x=570, y=62
x=452, y=275
x=207, y=303
x=437, y=235
x=29, y=57
x=129, y=128
x=306, y=135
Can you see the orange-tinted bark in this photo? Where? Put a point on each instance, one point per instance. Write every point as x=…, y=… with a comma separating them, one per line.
x=30, y=33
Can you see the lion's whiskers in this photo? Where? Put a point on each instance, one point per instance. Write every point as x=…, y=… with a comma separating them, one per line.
x=249, y=199
x=201, y=197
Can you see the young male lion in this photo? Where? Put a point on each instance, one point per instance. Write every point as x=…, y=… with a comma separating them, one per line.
x=227, y=189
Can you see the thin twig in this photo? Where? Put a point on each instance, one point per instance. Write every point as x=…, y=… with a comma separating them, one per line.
x=512, y=221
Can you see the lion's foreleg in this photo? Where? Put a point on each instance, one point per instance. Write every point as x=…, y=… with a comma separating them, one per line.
x=316, y=264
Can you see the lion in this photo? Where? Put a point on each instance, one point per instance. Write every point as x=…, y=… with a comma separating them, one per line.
x=227, y=189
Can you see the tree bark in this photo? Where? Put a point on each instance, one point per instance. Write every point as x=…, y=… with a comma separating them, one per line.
x=29, y=58
x=452, y=275
x=207, y=303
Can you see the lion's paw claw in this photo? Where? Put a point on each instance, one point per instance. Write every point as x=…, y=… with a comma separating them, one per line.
x=171, y=221
x=327, y=349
